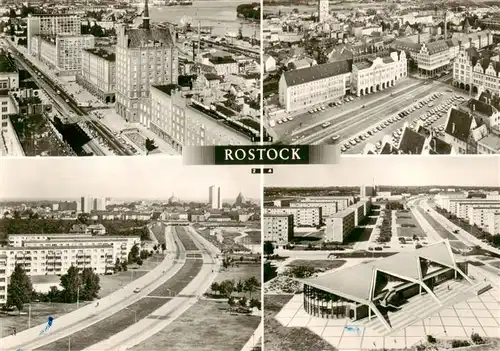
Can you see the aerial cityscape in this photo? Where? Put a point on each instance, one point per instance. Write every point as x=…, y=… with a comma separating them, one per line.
x=128, y=78
x=403, y=260
x=391, y=77
x=89, y=262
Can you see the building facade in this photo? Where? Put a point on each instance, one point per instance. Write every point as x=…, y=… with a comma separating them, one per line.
x=98, y=73
x=370, y=76
x=302, y=216
x=145, y=56
x=340, y=225
x=306, y=87
x=214, y=197
x=493, y=226
x=278, y=229
x=322, y=10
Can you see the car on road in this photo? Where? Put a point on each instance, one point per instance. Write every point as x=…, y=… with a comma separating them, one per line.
x=137, y=290
x=290, y=118
x=335, y=137
x=343, y=148
x=322, y=107
x=326, y=124
x=58, y=92
x=66, y=100
x=311, y=111
x=352, y=142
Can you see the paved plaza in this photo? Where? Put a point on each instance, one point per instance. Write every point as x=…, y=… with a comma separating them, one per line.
x=480, y=314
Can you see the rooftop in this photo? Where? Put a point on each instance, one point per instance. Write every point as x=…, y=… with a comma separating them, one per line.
x=105, y=54
x=167, y=88
x=492, y=142
x=139, y=37
x=317, y=72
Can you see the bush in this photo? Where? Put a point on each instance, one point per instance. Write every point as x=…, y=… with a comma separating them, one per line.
x=477, y=339
x=431, y=339
x=459, y=343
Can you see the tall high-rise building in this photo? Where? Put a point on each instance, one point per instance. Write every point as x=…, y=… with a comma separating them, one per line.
x=52, y=25
x=99, y=204
x=85, y=204
x=322, y=10
x=145, y=56
x=214, y=197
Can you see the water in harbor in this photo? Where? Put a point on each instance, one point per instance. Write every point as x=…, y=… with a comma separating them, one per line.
x=221, y=15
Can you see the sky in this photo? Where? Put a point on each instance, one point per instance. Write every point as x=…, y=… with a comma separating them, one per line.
x=392, y=170
x=153, y=177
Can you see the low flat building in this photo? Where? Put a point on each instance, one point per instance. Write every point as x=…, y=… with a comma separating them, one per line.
x=98, y=73
x=302, y=216
x=302, y=88
x=278, y=228
x=340, y=225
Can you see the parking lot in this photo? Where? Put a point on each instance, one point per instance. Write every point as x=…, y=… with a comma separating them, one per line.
x=431, y=111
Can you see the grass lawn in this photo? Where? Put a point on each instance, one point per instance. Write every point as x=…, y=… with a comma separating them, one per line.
x=206, y=326
x=280, y=338
x=39, y=314
x=458, y=245
x=410, y=227
x=242, y=272
x=495, y=264
x=320, y=264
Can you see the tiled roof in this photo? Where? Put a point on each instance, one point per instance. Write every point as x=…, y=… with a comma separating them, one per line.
x=459, y=125
x=406, y=45
x=310, y=74
x=388, y=149
x=138, y=37
x=485, y=62
x=436, y=46
x=411, y=142
x=439, y=147
x=481, y=107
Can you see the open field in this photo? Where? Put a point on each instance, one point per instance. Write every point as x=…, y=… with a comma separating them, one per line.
x=39, y=314
x=240, y=272
x=280, y=338
x=206, y=326
x=318, y=264
x=409, y=226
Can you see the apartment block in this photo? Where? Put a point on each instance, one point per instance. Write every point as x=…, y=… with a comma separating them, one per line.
x=493, y=224
x=98, y=73
x=327, y=208
x=340, y=225
x=302, y=216
x=342, y=201
x=443, y=200
x=359, y=212
x=278, y=228
x=464, y=208
x=3, y=277
x=479, y=215
x=52, y=25
x=17, y=240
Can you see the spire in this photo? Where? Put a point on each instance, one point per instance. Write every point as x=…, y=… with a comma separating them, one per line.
x=145, y=16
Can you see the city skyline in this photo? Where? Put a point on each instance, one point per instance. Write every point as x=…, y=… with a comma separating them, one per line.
x=34, y=179
x=402, y=171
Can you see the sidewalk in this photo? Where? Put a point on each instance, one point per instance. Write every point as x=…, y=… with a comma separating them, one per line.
x=256, y=339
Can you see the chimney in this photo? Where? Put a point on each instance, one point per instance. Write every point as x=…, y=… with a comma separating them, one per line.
x=145, y=16
x=453, y=127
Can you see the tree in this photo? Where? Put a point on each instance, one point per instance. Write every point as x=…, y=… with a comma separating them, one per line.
x=230, y=301
x=163, y=247
x=20, y=289
x=150, y=145
x=133, y=255
x=124, y=265
x=243, y=301
x=139, y=261
x=215, y=287
x=91, y=285
x=84, y=218
x=255, y=303
x=268, y=248
x=239, y=286
x=118, y=265
x=226, y=288
x=71, y=283
x=144, y=254
x=251, y=285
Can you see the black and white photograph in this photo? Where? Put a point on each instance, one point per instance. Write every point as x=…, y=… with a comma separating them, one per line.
x=381, y=254
x=383, y=77
x=129, y=254
x=128, y=78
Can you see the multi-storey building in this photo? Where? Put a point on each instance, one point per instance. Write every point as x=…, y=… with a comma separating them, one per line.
x=322, y=10
x=366, y=191
x=443, y=200
x=479, y=215
x=342, y=201
x=145, y=56
x=302, y=216
x=327, y=208
x=182, y=121
x=52, y=25
x=62, y=52
x=17, y=240
x=464, y=207
x=302, y=88
x=278, y=228
x=463, y=130
x=433, y=58
x=99, y=204
x=98, y=73
x=3, y=277
x=214, y=197
x=86, y=204
x=493, y=225
x=340, y=225
x=359, y=211
x=372, y=75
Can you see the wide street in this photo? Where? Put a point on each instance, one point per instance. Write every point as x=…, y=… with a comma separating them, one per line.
x=68, y=107
x=97, y=322
x=351, y=118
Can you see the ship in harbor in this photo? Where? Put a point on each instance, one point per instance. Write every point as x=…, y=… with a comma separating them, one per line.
x=172, y=2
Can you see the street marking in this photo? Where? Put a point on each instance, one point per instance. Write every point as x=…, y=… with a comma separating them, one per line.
x=160, y=297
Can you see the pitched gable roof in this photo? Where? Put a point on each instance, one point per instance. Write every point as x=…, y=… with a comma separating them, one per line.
x=310, y=74
x=459, y=125
x=411, y=142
